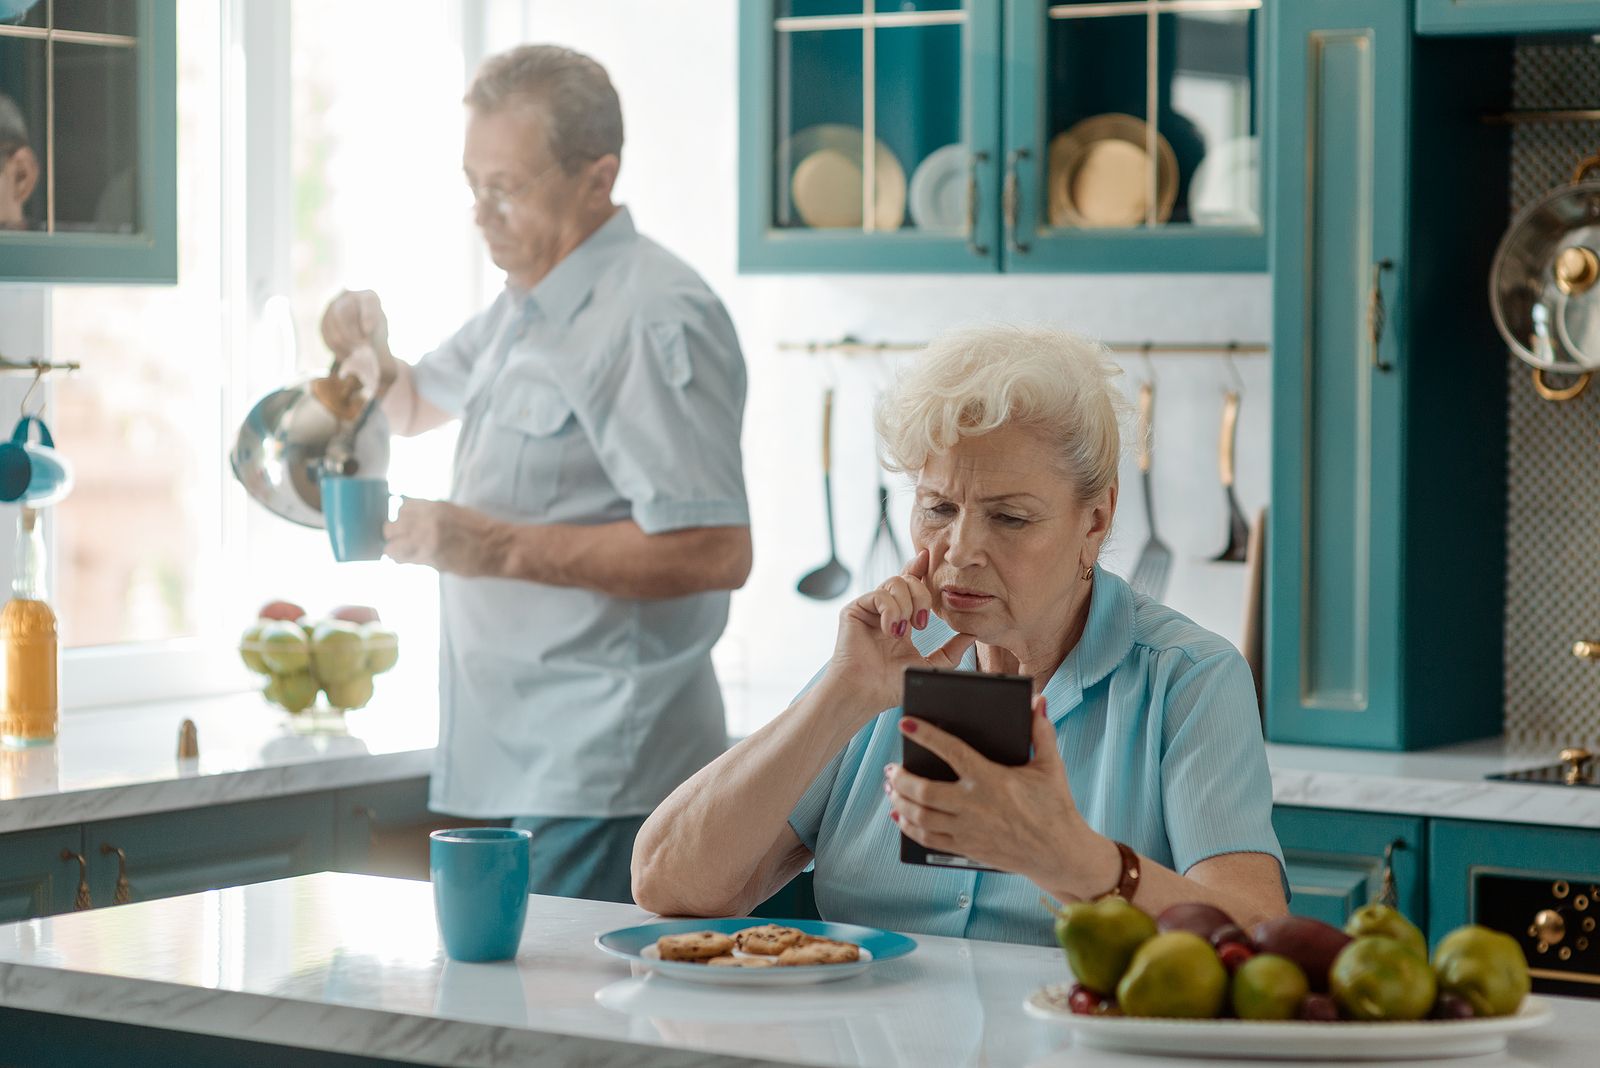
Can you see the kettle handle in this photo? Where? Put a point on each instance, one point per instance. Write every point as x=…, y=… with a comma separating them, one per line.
x=1592, y=163
x=20, y=435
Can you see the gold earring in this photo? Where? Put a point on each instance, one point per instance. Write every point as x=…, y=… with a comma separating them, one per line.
x=1088, y=573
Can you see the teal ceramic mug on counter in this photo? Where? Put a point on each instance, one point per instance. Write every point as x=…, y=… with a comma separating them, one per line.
x=480, y=890
x=354, y=511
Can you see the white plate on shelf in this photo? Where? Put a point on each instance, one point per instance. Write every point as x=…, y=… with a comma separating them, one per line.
x=1289, y=1040
x=825, y=178
x=938, y=197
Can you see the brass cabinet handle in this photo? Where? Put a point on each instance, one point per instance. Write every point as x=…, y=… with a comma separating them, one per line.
x=1011, y=199
x=1230, y=426
x=1378, y=315
x=1389, y=893
x=974, y=161
x=82, y=901
x=1577, y=761
x=123, y=893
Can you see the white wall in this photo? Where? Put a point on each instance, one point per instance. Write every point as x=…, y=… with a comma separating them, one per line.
x=675, y=66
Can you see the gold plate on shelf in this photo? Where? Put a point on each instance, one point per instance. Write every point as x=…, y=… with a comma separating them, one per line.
x=1098, y=174
x=826, y=181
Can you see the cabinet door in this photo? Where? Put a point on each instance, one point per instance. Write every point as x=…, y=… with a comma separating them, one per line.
x=383, y=829
x=1507, y=16
x=173, y=853
x=1093, y=93
x=1334, y=576
x=39, y=872
x=95, y=94
x=821, y=79
x=1336, y=861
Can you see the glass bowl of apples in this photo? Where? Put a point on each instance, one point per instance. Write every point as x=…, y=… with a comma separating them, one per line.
x=334, y=659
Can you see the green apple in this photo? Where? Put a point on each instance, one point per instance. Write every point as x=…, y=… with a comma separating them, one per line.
x=351, y=693
x=338, y=651
x=284, y=649
x=250, y=650
x=383, y=647
x=296, y=692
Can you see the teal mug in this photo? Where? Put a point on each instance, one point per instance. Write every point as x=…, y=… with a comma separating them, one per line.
x=33, y=472
x=355, y=511
x=480, y=890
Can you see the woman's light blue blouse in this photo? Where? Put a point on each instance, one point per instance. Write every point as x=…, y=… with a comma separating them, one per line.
x=1158, y=727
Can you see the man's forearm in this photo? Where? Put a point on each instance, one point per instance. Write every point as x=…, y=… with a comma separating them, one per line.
x=621, y=560
x=407, y=410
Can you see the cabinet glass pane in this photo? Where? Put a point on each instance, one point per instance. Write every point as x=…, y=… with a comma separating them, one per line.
x=785, y=9
x=906, y=6
x=919, y=93
x=1097, y=160
x=96, y=16
x=97, y=139
x=22, y=13
x=1206, y=111
x=23, y=176
x=817, y=130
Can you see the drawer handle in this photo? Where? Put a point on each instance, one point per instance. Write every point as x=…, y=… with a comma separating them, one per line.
x=82, y=901
x=1378, y=315
x=974, y=161
x=1389, y=893
x=1011, y=198
x=123, y=893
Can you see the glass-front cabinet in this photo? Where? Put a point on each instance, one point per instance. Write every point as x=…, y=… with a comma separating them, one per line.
x=976, y=135
x=88, y=132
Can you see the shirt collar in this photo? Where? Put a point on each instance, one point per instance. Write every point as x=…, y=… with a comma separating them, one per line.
x=563, y=291
x=1107, y=638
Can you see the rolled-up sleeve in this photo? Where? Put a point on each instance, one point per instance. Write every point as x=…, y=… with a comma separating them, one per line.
x=664, y=412
x=1216, y=787
x=441, y=376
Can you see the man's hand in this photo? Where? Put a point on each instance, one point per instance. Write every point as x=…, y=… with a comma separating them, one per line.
x=447, y=537
x=357, y=332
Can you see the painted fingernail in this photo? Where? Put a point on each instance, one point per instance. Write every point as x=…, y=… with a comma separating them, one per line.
x=888, y=770
x=908, y=725
x=887, y=788
x=922, y=619
x=894, y=815
x=900, y=629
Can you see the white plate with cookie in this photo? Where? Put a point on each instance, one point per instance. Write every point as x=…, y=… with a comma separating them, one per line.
x=753, y=951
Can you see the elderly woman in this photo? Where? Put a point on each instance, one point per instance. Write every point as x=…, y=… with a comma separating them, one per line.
x=1148, y=774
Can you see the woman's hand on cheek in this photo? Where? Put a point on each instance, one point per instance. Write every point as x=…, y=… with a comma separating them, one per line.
x=1017, y=819
x=874, y=645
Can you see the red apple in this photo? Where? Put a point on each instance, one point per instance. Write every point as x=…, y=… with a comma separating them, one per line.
x=355, y=613
x=285, y=610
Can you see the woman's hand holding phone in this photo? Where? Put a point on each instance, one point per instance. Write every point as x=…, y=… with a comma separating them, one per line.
x=874, y=645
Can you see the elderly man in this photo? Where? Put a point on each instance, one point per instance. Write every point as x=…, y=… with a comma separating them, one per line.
x=19, y=167
x=597, y=518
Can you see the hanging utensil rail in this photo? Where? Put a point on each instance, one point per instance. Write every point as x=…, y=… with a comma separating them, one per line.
x=38, y=367
x=849, y=346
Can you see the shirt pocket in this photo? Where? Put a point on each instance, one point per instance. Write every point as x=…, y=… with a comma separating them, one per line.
x=532, y=425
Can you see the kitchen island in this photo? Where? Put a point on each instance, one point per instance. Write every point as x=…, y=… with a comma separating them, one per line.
x=346, y=969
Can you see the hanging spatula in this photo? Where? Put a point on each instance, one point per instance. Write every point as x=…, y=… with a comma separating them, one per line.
x=1155, y=560
x=1238, y=529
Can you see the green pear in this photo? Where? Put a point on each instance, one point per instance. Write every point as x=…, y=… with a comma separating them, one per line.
x=383, y=647
x=284, y=649
x=1100, y=939
x=351, y=693
x=250, y=650
x=338, y=651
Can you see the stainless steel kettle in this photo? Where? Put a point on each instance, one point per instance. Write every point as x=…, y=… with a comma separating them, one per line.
x=296, y=435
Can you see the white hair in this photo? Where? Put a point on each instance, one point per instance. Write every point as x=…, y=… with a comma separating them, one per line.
x=972, y=381
x=583, y=117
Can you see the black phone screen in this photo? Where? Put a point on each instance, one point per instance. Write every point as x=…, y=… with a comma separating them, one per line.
x=991, y=713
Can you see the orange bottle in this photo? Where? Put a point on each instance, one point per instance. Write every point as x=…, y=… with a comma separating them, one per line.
x=29, y=708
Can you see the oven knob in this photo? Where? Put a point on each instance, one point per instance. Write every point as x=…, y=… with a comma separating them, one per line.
x=1549, y=925
x=1577, y=761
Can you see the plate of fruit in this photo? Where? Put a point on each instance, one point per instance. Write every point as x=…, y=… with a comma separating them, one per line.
x=1191, y=982
x=301, y=657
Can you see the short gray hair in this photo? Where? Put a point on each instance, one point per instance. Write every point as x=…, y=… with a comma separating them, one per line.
x=13, y=127
x=972, y=381
x=583, y=115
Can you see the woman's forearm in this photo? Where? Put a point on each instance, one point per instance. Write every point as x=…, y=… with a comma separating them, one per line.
x=709, y=847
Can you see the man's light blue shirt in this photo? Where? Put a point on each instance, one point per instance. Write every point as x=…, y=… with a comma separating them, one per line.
x=1157, y=724
x=613, y=390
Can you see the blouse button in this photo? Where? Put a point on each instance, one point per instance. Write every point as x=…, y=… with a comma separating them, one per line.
x=963, y=900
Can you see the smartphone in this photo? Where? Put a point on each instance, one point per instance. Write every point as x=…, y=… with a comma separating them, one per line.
x=991, y=713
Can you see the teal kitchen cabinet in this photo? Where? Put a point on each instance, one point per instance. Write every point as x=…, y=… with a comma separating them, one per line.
x=169, y=853
x=1085, y=81
x=383, y=829
x=40, y=872
x=1386, y=550
x=818, y=80
x=1507, y=16
x=1338, y=861
x=1470, y=863
x=95, y=86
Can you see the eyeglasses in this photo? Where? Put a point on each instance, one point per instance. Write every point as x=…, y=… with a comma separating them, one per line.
x=501, y=199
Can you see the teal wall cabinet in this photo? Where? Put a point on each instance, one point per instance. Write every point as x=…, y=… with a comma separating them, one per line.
x=1507, y=16
x=1339, y=861
x=95, y=87
x=1386, y=548
x=39, y=872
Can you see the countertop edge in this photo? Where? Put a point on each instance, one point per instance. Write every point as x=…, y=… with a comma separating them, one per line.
x=325, y=1027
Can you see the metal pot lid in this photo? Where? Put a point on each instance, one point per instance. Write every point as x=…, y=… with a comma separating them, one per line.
x=1544, y=285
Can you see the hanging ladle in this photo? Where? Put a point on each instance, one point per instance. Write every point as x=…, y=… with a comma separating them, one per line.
x=832, y=578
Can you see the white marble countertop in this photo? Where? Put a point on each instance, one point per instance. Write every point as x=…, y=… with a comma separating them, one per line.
x=115, y=762
x=351, y=963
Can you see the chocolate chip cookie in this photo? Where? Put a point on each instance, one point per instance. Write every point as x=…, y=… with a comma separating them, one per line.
x=770, y=939
x=694, y=946
x=820, y=951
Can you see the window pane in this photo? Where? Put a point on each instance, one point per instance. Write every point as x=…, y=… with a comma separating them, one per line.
x=135, y=540
x=97, y=139
x=97, y=16
x=1207, y=89
x=22, y=121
